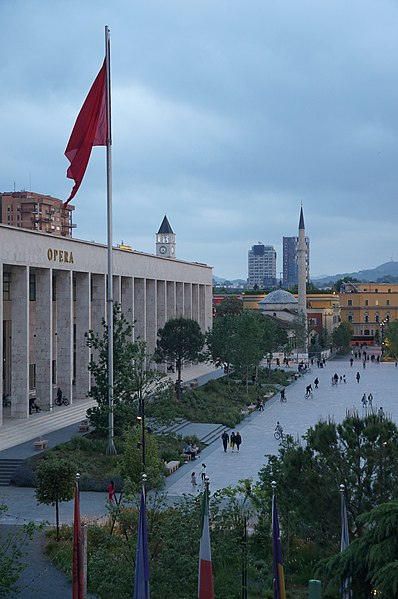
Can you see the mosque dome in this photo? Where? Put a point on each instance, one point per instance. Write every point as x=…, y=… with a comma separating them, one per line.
x=279, y=296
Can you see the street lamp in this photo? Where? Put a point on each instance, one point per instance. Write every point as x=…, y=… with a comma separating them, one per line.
x=244, y=542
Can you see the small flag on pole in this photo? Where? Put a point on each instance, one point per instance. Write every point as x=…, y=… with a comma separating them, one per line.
x=141, y=578
x=91, y=129
x=205, y=580
x=279, y=575
x=77, y=566
x=345, y=541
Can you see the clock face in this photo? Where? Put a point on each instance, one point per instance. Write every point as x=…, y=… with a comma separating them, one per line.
x=163, y=249
x=172, y=249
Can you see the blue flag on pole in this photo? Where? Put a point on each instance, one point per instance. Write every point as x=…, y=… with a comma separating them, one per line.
x=279, y=574
x=141, y=578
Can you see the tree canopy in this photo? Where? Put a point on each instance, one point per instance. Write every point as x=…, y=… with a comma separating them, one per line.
x=230, y=306
x=391, y=339
x=342, y=336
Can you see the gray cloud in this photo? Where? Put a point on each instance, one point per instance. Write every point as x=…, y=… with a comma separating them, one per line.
x=226, y=116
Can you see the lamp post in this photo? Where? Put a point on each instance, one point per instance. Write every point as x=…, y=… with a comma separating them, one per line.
x=244, y=544
x=141, y=418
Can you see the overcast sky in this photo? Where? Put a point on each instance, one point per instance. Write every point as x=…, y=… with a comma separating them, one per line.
x=226, y=115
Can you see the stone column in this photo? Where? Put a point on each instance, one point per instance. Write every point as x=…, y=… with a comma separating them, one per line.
x=140, y=309
x=202, y=307
x=151, y=309
x=208, y=307
x=195, y=302
x=1, y=341
x=127, y=299
x=179, y=300
x=98, y=306
x=44, y=337
x=20, y=342
x=64, y=332
x=117, y=289
x=82, y=318
x=171, y=300
x=187, y=300
x=161, y=304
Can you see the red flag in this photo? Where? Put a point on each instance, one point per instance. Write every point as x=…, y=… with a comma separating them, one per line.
x=91, y=129
x=77, y=567
x=205, y=582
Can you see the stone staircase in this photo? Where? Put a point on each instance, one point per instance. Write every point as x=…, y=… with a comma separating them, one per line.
x=7, y=470
x=16, y=431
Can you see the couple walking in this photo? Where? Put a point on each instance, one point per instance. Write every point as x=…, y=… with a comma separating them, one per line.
x=234, y=440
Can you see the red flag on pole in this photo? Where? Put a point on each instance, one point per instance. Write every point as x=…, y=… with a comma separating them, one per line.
x=77, y=567
x=91, y=129
x=205, y=582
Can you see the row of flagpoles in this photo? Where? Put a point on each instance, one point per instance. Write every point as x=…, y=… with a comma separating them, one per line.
x=205, y=573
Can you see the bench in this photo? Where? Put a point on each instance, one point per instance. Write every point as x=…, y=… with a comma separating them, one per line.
x=172, y=466
x=83, y=426
x=40, y=444
x=186, y=457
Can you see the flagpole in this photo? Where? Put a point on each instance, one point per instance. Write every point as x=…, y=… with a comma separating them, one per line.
x=111, y=449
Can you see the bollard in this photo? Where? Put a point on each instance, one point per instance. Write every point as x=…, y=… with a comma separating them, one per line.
x=314, y=589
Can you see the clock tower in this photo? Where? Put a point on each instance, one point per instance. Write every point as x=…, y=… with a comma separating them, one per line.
x=165, y=240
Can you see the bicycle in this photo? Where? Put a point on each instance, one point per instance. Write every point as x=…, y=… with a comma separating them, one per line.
x=309, y=395
x=61, y=401
x=278, y=434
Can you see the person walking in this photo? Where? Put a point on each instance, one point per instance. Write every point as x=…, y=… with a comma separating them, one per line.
x=283, y=395
x=364, y=400
x=344, y=381
x=380, y=413
x=203, y=474
x=370, y=401
x=225, y=439
x=238, y=441
x=358, y=377
x=351, y=362
x=59, y=396
x=316, y=383
x=193, y=481
x=336, y=378
x=232, y=441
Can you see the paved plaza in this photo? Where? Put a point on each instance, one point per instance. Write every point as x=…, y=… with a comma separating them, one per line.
x=296, y=415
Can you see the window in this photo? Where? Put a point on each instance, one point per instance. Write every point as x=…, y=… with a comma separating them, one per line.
x=366, y=318
x=350, y=318
x=377, y=318
x=54, y=288
x=32, y=287
x=6, y=286
x=376, y=302
x=349, y=303
x=366, y=302
x=388, y=302
x=376, y=291
x=54, y=372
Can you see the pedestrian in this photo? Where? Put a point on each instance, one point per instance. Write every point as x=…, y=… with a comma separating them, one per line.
x=364, y=400
x=364, y=364
x=344, y=381
x=316, y=383
x=111, y=491
x=203, y=473
x=341, y=379
x=59, y=396
x=380, y=413
x=193, y=481
x=225, y=439
x=232, y=441
x=277, y=362
x=336, y=378
x=351, y=362
x=358, y=377
x=238, y=441
x=283, y=395
x=370, y=401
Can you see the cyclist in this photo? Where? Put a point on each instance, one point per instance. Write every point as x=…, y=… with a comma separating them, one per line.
x=279, y=429
x=283, y=395
x=308, y=391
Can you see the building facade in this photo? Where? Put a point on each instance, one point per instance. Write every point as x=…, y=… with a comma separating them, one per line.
x=54, y=291
x=262, y=266
x=37, y=212
x=290, y=261
x=368, y=307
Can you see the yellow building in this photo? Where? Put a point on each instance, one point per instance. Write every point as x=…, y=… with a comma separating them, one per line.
x=368, y=307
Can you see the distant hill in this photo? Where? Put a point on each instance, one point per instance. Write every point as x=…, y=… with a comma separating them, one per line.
x=220, y=282
x=387, y=272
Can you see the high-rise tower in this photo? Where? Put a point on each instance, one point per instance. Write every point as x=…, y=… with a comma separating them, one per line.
x=262, y=266
x=165, y=240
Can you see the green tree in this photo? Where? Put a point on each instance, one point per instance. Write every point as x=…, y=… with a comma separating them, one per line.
x=12, y=550
x=371, y=562
x=133, y=377
x=342, y=336
x=131, y=464
x=247, y=347
x=361, y=453
x=55, y=482
x=230, y=306
x=391, y=339
x=221, y=340
x=178, y=341
x=274, y=338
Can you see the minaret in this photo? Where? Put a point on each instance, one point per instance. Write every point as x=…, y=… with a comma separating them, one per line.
x=165, y=240
x=302, y=275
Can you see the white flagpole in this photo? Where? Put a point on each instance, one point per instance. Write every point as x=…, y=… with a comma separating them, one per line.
x=111, y=449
